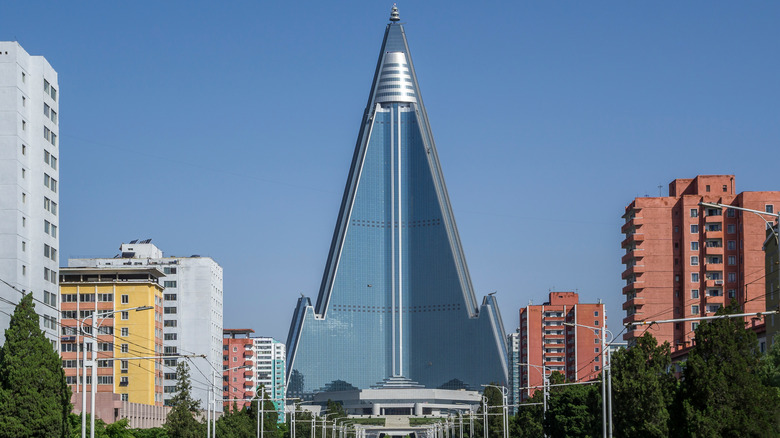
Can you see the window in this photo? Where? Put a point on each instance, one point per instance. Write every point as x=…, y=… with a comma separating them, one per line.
x=694, y=309
x=125, y=397
x=707, y=188
x=105, y=298
x=694, y=277
x=125, y=331
x=732, y=260
x=694, y=229
x=168, y=284
x=235, y=359
x=169, y=310
x=596, y=313
x=170, y=297
x=124, y=381
x=725, y=188
x=125, y=299
x=46, y=86
x=732, y=293
x=105, y=363
x=769, y=208
x=87, y=298
x=731, y=228
x=125, y=315
x=170, y=336
x=732, y=277
x=169, y=323
x=730, y=212
x=170, y=362
x=69, y=298
x=694, y=293
x=105, y=346
x=676, y=229
x=596, y=350
x=714, y=227
x=694, y=212
x=171, y=350
x=54, y=94
x=731, y=245
x=694, y=260
x=712, y=308
x=125, y=348
x=124, y=365
x=49, y=298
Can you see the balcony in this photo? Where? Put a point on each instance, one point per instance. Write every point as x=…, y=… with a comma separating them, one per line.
x=636, y=317
x=713, y=250
x=634, y=254
x=713, y=234
x=635, y=286
x=632, y=238
x=636, y=222
x=635, y=301
x=249, y=353
x=634, y=270
x=249, y=373
x=718, y=261
x=713, y=283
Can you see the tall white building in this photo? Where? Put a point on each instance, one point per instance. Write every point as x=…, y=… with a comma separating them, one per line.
x=29, y=185
x=270, y=371
x=192, y=312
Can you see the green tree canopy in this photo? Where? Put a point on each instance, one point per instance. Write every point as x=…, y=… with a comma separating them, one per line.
x=573, y=411
x=34, y=398
x=721, y=393
x=528, y=419
x=643, y=389
x=181, y=422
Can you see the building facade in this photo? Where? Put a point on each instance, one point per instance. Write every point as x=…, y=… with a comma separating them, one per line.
x=121, y=338
x=772, y=293
x=192, y=311
x=29, y=185
x=250, y=363
x=684, y=260
x=554, y=336
x=396, y=304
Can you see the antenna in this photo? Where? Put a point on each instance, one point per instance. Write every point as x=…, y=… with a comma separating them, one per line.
x=660, y=186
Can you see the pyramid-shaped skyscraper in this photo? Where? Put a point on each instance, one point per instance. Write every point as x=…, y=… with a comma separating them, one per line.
x=396, y=305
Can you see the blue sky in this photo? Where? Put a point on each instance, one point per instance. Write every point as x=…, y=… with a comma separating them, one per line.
x=226, y=128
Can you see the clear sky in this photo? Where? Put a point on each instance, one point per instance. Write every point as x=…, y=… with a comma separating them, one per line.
x=226, y=129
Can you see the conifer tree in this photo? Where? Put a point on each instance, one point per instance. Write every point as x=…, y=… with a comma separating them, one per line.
x=34, y=398
x=643, y=388
x=721, y=391
x=181, y=422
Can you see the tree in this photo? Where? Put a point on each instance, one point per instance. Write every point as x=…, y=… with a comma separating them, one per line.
x=769, y=367
x=181, y=422
x=721, y=393
x=573, y=410
x=34, y=398
x=643, y=389
x=235, y=423
x=495, y=401
x=527, y=422
x=270, y=416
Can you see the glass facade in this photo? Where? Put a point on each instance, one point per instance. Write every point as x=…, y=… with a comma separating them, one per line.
x=396, y=300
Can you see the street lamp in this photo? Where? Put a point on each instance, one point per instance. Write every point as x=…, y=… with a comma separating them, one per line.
x=545, y=382
x=93, y=365
x=505, y=394
x=606, y=368
x=213, y=403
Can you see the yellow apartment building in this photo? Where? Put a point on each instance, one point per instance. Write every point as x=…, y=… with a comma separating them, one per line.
x=129, y=341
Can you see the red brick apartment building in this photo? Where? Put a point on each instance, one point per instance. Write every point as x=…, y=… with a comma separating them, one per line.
x=238, y=384
x=684, y=260
x=545, y=340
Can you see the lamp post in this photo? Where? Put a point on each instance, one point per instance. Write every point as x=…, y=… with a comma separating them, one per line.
x=505, y=394
x=93, y=365
x=545, y=383
x=605, y=370
x=211, y=428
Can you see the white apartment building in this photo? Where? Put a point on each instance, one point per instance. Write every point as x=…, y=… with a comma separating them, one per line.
x=192, y=312
x=29, y=185
x=270, y=358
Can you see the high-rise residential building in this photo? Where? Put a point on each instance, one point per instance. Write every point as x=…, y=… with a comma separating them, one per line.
x=29, y=185
x=684, y=260
x=239, y=380
x=192, y=311
x=513, y=347
x=556, y=336
x=126, y=333
x=396, y=306
x=250, y=363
